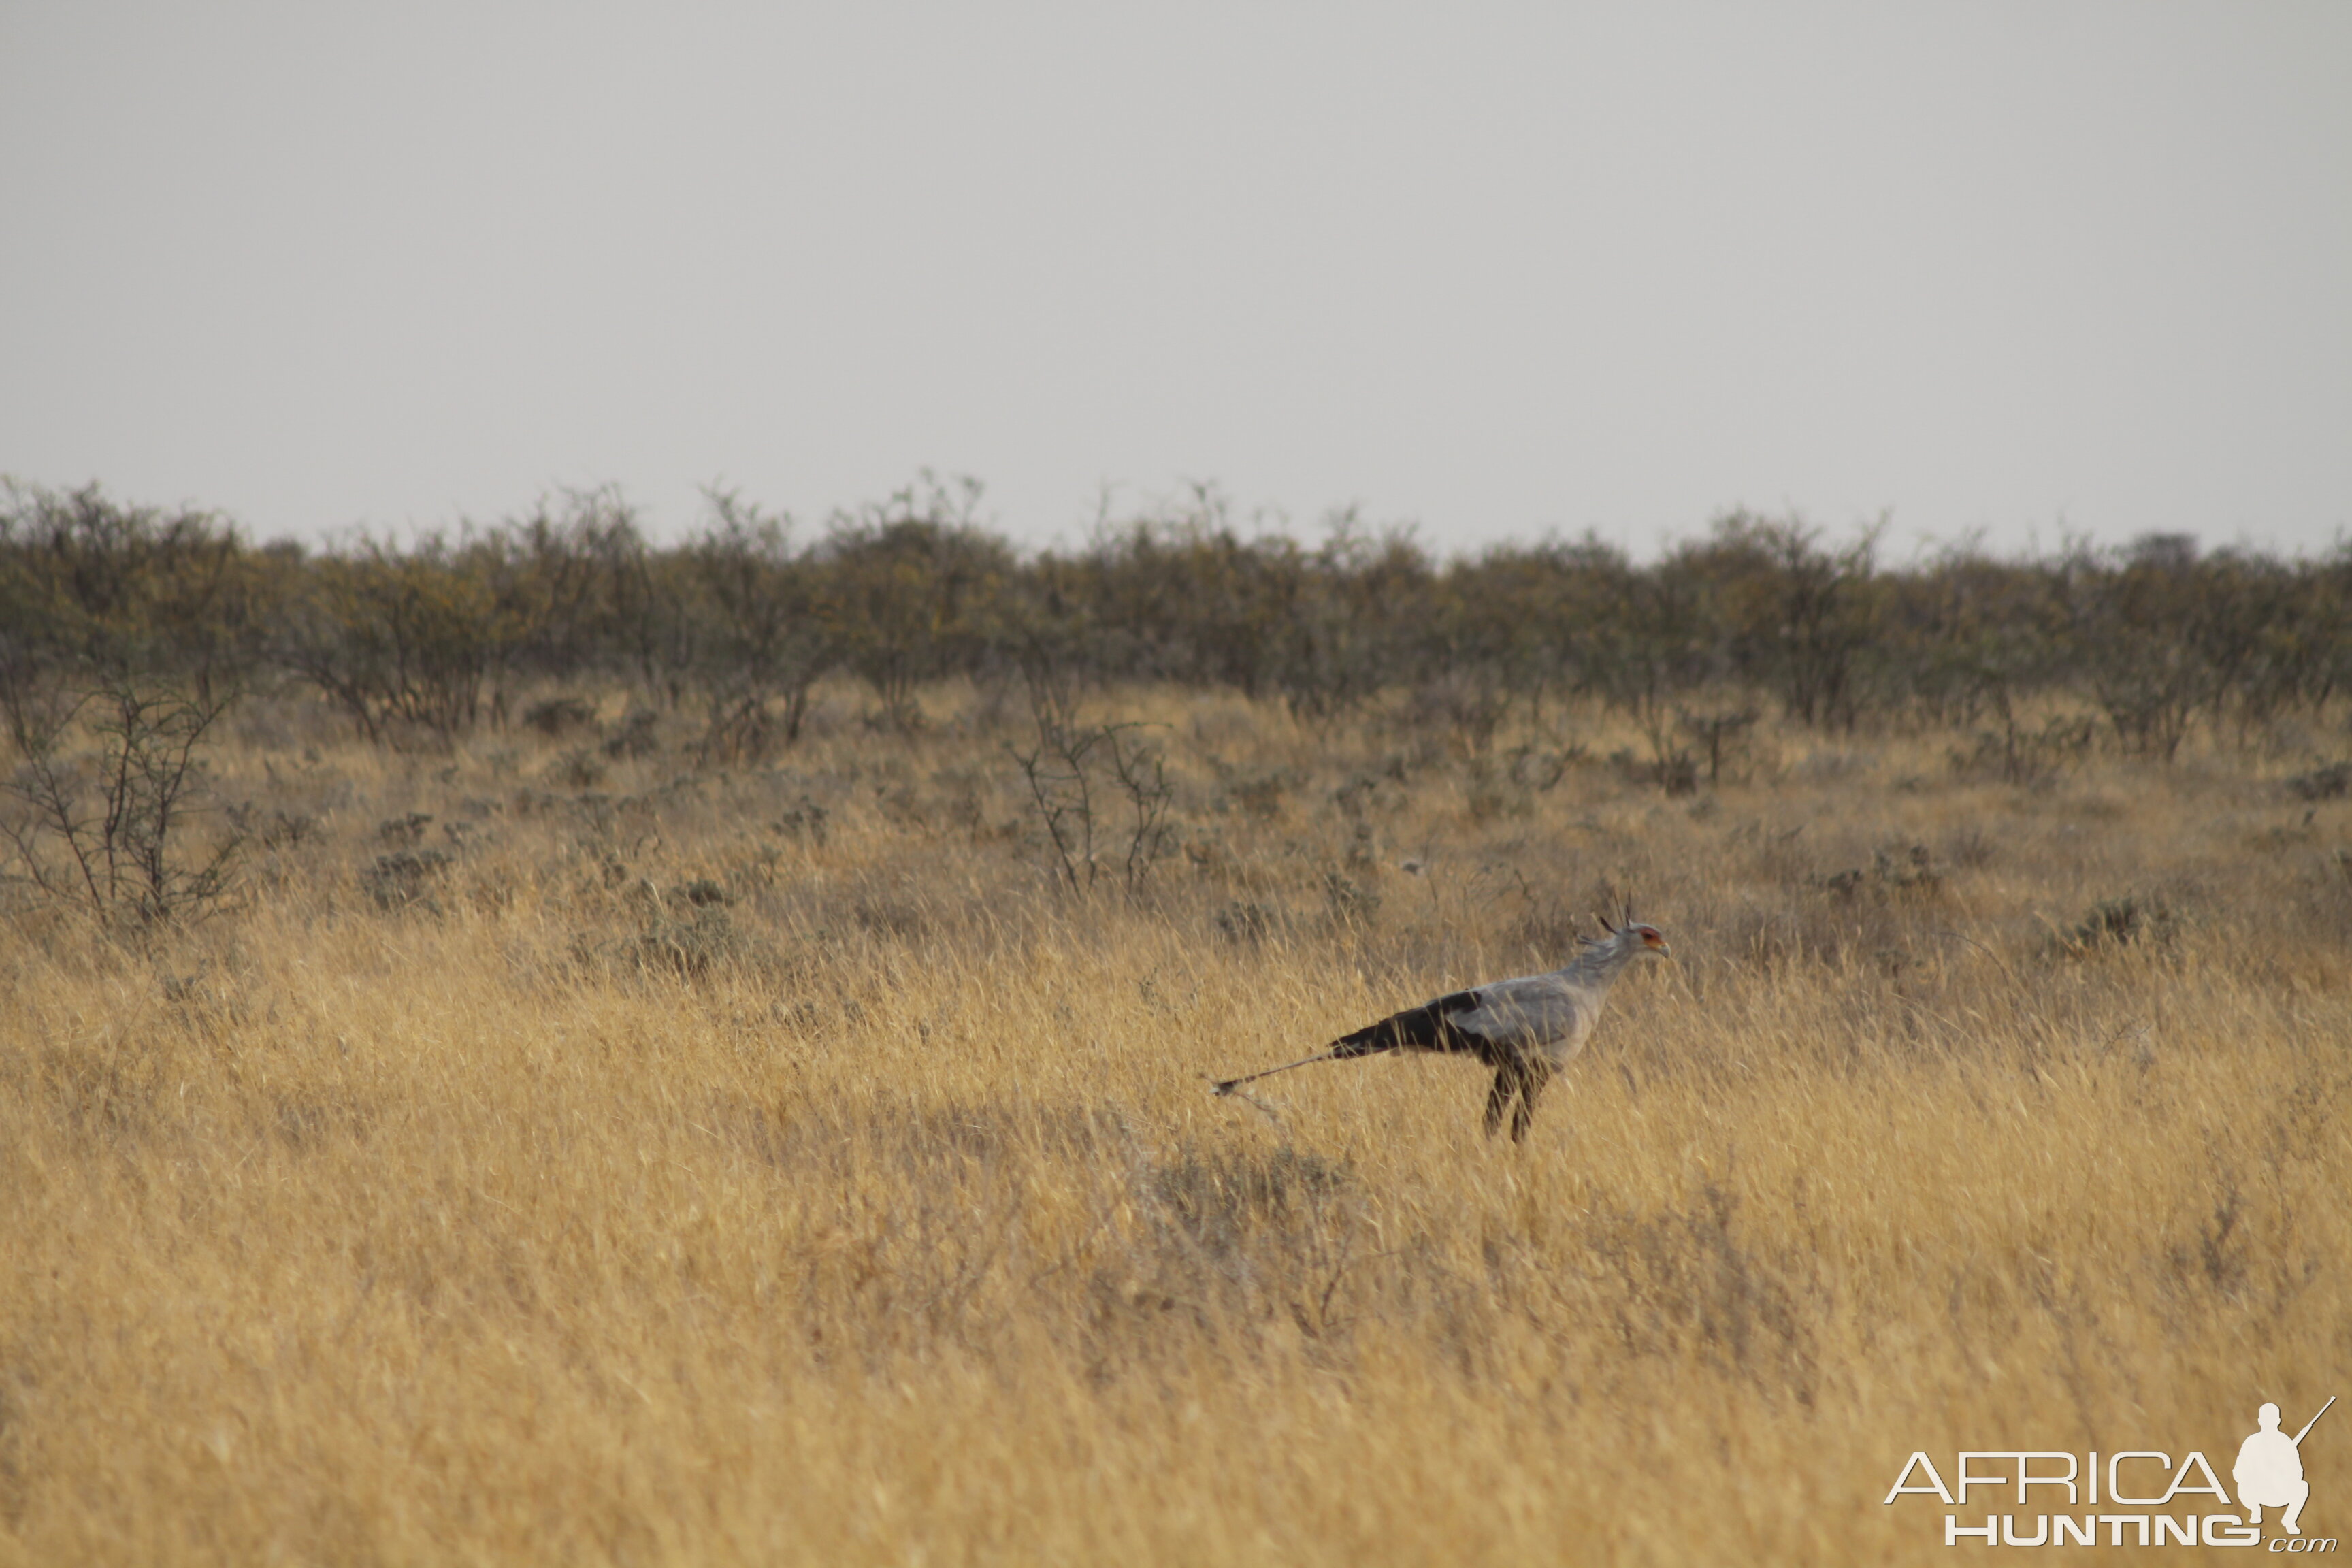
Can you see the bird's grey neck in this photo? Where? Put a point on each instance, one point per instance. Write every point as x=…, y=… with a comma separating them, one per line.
x=1601, y=963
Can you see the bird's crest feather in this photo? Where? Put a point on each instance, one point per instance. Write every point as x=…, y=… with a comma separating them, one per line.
x=1624, y=919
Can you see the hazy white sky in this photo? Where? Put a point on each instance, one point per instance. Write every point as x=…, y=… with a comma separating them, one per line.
x=1492, y=270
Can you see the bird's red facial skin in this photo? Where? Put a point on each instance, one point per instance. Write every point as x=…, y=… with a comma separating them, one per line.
x=1649, y=938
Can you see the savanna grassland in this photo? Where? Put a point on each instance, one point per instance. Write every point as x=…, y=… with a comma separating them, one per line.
x=549, y=1150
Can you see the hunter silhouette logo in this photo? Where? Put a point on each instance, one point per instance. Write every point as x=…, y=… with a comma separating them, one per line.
x=2269, y=1471
x=2268, y=1475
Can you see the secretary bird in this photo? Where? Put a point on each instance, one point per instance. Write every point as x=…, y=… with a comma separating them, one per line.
x=1526, y=1029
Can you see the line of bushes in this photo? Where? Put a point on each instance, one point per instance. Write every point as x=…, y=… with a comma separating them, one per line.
x=426, y=641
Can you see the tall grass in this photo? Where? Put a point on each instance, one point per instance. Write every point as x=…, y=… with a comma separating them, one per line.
x=782, y=1165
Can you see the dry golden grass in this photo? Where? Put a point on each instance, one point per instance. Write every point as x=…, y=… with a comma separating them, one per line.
x=878, y=1212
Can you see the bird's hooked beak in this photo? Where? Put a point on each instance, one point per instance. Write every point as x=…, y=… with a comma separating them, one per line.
x=1652, y=941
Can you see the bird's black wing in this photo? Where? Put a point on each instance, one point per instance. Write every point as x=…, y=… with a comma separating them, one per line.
x=1428, y=1027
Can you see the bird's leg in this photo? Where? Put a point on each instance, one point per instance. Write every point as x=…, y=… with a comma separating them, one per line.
x=1227, y=1086
x=1498, y=1098
x=1524, y=1116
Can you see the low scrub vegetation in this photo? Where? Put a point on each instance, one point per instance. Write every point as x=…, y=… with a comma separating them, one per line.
x=422, y=644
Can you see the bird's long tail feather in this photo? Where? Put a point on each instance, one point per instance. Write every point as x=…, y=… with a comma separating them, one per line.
x=1231, y=1084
